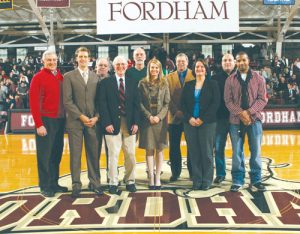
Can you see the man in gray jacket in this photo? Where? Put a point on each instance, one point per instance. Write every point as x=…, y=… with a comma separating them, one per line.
x=80, y=86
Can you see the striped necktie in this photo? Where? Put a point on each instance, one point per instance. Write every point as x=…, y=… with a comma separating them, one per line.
x=122, y=96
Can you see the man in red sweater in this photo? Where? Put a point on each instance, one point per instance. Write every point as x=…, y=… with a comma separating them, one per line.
x=47, y=109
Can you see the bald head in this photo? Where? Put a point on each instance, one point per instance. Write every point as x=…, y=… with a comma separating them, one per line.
x=139, y=56
x=228, y=63
x=102, y=67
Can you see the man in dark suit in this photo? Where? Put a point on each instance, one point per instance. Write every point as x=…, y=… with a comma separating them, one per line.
x=80, y=87
x=119, y=108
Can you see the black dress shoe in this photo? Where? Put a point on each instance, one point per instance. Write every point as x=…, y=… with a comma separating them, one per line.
x=60, y=189
x=173, y=178
x=158, y=187
x=131, y=188
x=75, y=193
x=99, y=191
x=47, y=193
x=152, y=187
x=219, y=179
x=113, y=189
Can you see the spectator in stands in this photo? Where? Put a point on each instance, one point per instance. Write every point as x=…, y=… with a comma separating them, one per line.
x=3, y=87
x=155, y=98
x=2, y=99
x=282, y=89
x=10, y=102
x=18, y=102
x=12, y=87
x=293, y=92
x=48, y=114
x=266, y=73
x=245, y=97
x=3, y=76
x=277, y=66
x=15, y=70
x=270, y=90
x=23, y=91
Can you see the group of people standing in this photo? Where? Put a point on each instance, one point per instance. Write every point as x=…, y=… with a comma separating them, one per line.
x=140, y=102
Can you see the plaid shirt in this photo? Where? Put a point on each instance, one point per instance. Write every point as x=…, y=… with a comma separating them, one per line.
x=257, y=97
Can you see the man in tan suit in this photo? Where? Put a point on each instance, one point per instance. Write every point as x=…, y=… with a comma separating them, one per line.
x=80, y=87
x=176, y=81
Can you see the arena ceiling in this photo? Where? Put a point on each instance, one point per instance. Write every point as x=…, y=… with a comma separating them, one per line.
x=28, y=25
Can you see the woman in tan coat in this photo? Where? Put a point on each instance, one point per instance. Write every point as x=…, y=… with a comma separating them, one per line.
x=155, y=98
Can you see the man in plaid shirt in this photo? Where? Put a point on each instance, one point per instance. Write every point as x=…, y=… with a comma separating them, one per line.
x=245, y=96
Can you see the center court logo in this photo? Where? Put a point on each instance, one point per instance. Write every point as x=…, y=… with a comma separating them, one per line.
x=175, y=207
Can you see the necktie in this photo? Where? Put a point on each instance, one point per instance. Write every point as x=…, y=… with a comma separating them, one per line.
x=181, y=78
x=85, y=76
x=122, y=96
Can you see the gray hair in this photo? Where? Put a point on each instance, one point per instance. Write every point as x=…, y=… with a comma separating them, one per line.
x=102, y=58
x=47, y=53
x=139, y=48
x=182, y=55
x=119, y=57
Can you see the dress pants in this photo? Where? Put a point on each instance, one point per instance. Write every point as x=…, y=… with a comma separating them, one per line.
x=76, y=138
x=49, y=152
x=200, y=141
x=175, y=132
x=114, y=143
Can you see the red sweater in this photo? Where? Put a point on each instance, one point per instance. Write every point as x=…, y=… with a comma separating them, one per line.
x=45, y=94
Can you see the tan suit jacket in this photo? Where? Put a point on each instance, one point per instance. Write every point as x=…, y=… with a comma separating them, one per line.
x=79, y=98
x=175, y=94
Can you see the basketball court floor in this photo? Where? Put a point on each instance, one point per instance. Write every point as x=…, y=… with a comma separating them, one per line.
x=175, y=208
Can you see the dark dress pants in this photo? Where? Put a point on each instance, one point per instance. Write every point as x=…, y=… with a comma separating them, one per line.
x=200, y=141
x=175, y=132
x=49, y=152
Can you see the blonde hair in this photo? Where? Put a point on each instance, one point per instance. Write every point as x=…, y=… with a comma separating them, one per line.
x=158, y=63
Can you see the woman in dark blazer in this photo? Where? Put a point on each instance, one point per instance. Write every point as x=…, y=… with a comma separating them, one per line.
x=199, y=103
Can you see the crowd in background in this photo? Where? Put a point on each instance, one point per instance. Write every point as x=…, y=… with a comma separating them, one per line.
x=282, y=76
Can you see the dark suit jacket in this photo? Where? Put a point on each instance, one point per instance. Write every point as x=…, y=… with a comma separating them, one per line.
x=209, y=100
x=109, y=104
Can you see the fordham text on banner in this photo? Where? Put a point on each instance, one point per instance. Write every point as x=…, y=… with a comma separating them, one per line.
x=161, y=16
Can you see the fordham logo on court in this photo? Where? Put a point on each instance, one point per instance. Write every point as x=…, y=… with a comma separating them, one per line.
x=277, y=209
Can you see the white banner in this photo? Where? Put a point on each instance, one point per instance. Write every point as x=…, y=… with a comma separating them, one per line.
x=167, y=16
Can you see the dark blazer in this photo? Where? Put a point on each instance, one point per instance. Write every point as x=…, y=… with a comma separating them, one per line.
x=109, y=104
x=209, y=100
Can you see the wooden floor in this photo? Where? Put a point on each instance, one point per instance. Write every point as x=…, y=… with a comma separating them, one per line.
x=280, y=149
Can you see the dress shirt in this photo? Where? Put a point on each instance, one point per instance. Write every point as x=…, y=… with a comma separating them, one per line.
x=118, y=81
